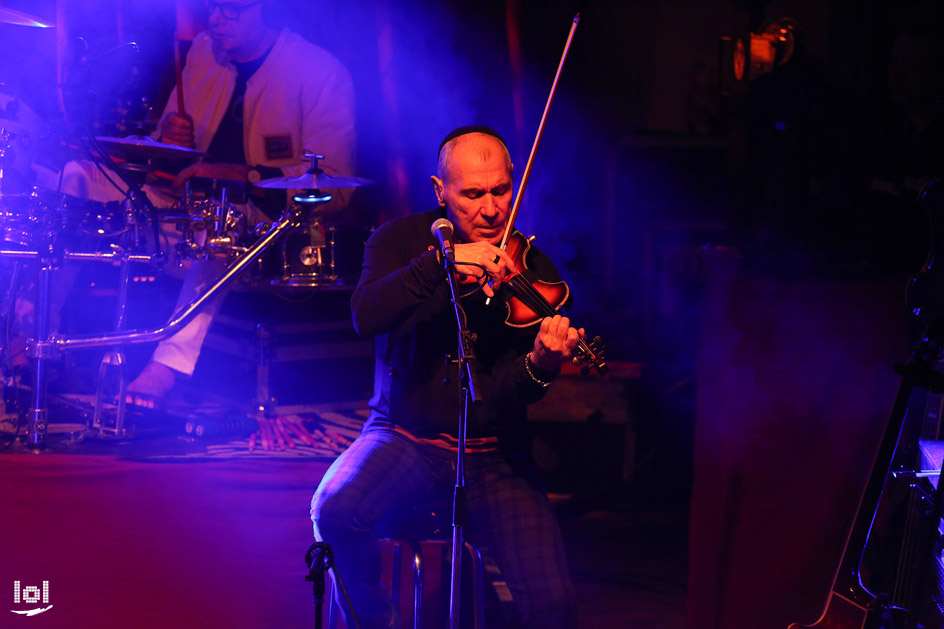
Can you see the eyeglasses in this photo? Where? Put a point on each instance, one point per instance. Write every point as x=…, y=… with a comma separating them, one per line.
x=230, y=10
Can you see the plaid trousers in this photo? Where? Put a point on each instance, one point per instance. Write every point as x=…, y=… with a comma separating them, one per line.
x=383, y=473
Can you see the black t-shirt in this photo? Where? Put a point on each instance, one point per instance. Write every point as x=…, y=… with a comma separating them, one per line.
x=227, y=144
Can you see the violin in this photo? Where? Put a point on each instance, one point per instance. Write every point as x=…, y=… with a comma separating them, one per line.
x=534, y=300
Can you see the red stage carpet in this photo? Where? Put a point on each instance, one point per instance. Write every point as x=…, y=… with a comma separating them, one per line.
x=126, y=543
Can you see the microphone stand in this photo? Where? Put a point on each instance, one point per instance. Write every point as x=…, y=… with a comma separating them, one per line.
x=468, y=391
x=319, y=558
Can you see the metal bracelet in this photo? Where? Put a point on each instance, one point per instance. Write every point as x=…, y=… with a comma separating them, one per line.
x=535, y=379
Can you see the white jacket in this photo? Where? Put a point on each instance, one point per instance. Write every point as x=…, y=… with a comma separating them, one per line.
x=300, y=99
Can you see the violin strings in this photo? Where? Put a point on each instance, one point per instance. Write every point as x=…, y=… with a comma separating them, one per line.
x=527, y=292
x=539, y=304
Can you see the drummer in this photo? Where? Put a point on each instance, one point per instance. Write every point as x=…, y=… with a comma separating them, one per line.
x=256, y=97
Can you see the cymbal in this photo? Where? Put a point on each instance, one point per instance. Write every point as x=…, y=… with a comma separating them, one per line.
x=313, y=181
x=9, y=16
x=142, y=147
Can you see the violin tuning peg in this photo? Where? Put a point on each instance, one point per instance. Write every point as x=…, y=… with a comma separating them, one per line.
x=532, y=237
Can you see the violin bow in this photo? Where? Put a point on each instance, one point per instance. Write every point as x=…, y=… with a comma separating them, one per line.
x=510, y=225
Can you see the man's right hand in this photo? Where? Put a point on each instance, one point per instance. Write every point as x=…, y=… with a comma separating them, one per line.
x=496, y=262
x=177, y=129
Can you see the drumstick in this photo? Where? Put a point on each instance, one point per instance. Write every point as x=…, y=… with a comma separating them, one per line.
x=300, y=432
x=274, y=436
x=344, y=441
x=180, y=75
x=324, y=439
x=280, y=424
x=266, y=433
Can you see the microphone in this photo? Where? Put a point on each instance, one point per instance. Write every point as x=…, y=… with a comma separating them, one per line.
x=442, y=230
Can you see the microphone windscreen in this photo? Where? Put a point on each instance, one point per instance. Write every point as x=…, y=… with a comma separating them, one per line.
x=441, y=224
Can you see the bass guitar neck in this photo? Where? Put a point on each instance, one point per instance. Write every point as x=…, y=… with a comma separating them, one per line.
x=850, y=604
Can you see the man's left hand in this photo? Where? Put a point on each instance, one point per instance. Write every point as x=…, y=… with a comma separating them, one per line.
x=554, y=343
x=209, y=170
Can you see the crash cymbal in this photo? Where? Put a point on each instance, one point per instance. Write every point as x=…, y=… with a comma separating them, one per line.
x=313, y=181
x=142, y=147
x=9, y=16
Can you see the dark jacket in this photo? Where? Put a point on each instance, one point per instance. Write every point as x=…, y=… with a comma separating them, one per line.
x=402, y=299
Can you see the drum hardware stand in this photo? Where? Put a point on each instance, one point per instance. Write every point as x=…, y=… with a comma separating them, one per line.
x=136, y=203
x=36, y=434
x=322, y=236
x=44, y=348
x=187, y=248
x=6, y=148
x=135, y=197
x=115, y=358
x=265, y=404
x=332, y=239
x=220, y=219
x=186, y=313
x=41, y=348
x=220, y=214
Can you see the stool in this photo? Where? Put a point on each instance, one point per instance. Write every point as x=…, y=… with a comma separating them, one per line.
x=415, y=547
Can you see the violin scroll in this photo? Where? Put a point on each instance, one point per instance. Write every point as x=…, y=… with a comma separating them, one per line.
x=591, y=355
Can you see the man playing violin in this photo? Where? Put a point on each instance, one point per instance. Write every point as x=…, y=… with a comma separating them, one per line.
x=405, y=455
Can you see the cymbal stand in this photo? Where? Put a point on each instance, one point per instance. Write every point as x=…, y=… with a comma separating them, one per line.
x=114, y=359
x=36, y=434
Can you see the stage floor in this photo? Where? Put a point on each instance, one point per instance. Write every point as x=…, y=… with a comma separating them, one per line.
x=168, y=530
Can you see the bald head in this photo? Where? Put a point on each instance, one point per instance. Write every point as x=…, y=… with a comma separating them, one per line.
x=474, y=186
x=478, y=146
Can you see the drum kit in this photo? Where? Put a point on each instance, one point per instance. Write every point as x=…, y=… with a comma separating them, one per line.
x=212, y=224
x=294, y=252
x=209, y=215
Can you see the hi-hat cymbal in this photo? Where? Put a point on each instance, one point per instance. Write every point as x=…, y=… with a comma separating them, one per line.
x=313, y=181
x=142, y=147
x=9, y=16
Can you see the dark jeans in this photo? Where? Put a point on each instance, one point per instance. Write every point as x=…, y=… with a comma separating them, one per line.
x=383, y=472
